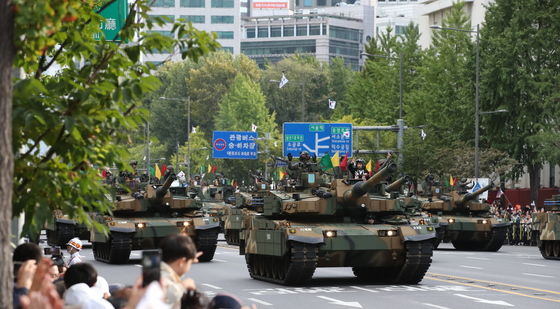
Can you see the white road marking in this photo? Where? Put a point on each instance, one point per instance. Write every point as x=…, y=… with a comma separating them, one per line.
x=436, y=306
x=531, y=264
x=537, y=275
x=486, y=301
x=212, y=286
x=260, y=301
x=477, y=258
x=472, y=267
x=333, y=301
x=218, y=260
x=364, y=289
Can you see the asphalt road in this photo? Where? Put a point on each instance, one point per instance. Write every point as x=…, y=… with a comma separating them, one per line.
x=513, y=277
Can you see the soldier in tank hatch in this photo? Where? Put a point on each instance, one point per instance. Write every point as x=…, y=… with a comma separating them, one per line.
x=358, y=169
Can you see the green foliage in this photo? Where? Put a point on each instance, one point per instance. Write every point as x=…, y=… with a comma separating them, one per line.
x=246, y=95
x=196, y=151
x=211, y=79
x=68, y=125
x=311, y=84
x=519, y=49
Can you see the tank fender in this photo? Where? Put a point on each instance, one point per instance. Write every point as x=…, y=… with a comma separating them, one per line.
x=122, y=229
x=306, y=239
x=419, y=237
x=501, y=224
x=205, y=223
x=65, y=221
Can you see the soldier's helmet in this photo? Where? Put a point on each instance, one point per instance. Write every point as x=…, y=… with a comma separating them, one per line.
x=361, y=161
x=464, y=180
x=304, y=156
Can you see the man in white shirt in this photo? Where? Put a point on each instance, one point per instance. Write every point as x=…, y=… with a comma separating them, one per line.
x=79, y=280
x=74, y=246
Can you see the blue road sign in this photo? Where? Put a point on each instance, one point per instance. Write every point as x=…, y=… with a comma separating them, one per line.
x=317, y=138
x=234, y=145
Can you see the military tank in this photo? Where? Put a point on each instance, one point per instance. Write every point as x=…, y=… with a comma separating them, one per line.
x=309, y=224
x=63, y=228
x=142, y=219
x=465, y=222
x=546, y=225
x=247, y=203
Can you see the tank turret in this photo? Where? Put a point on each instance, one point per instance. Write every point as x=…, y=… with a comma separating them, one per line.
x=350, y=197
x=471, y=196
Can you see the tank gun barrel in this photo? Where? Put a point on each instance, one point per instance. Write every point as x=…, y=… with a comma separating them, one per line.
x=396, y=185
x=162, y=191
x=471, y=196
x=363, y=187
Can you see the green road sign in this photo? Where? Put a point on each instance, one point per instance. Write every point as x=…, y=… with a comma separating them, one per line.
x=115, y=16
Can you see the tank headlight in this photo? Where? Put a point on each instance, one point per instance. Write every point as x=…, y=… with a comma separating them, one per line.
x=140, y=225
x=451, y=220
x=483, y=221
x=183, y=223
x=292, y=231
x=329, y=234
x=430, y=228
x=387, y=233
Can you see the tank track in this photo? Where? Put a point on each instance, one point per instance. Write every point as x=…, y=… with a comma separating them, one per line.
x=115, y=251
x=206, y=241
x=550, y=249
x=62, y=234
x=418, y=258
x=493, y=244
x=232, y=237
x=294, y=268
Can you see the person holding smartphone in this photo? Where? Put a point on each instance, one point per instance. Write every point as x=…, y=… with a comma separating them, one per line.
x=178, y=253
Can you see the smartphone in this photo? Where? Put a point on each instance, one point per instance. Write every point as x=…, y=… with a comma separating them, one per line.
x=151, y=266
x=52, y=251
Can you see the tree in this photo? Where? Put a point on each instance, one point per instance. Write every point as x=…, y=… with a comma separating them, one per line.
x=308, y=78
x=65, y=125
x=441, y=94
x=7, y=58
x=211, y=79
x=519, y=52
x=242, y=106
x=196, y=151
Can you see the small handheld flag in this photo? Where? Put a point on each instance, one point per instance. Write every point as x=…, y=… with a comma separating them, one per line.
x=283, y=81
x=254, y=127
x=423, y=134
x=332, y=104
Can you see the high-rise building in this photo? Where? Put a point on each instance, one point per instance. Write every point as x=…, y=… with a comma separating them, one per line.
x=219, y=16
x=324, y=33
x=433, y=12
x=395, y=14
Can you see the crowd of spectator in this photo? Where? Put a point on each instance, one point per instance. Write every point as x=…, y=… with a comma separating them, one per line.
x=51, y=283
x=521, y=218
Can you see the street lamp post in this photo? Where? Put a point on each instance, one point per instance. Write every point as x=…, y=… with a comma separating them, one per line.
x=188, y=135
x=400, y=59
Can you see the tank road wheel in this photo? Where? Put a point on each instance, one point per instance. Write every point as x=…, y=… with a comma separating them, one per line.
x=417, y=261
x=207, y=241
x=61, y=235
x=496, y=241
x=548, y=250
x=556, y=248
x=232, y=237
x=115, y=251
x=294, y=268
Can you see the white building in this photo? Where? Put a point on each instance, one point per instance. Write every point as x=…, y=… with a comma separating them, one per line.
x=433, y=12
x=395, y=14
x=220, y=16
